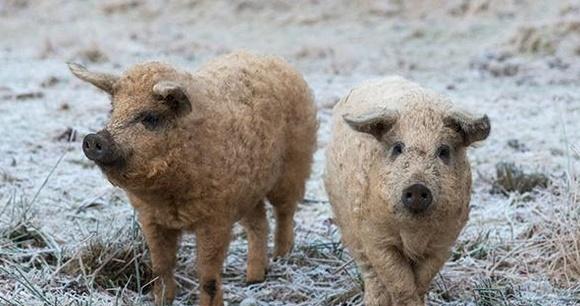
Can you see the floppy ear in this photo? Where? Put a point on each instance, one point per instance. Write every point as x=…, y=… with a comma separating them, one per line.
x=375, y=122
x=471, y=129
x=103, y=81
x=174, y=96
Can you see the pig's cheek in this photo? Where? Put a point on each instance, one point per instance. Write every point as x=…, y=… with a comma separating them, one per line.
x=380, y=191
x=380, y=206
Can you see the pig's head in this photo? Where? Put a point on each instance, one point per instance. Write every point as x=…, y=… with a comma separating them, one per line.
x=422, y=167
x=143, y=138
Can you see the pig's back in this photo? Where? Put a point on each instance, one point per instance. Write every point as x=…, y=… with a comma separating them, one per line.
x=253, y=104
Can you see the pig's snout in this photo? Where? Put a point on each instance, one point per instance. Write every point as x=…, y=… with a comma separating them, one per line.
x=101, y=148
x=417, y=198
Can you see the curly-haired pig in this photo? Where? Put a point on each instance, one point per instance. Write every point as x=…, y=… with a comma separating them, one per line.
x=200, y=151
x=399, y=183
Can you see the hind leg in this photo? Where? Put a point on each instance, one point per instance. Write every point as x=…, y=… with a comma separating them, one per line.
x=256, y=226
x=289, y=189
x=284, y=235
x=284, y=198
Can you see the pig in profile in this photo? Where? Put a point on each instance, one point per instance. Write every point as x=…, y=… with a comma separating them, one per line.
x=199, y=152
x=399, y=182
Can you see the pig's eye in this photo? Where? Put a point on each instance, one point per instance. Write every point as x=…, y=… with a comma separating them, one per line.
x=444, y=153
x=150, y=120
x=397, y=149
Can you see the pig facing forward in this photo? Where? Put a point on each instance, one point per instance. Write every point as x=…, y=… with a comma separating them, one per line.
x=199, y=152
x=399, y=183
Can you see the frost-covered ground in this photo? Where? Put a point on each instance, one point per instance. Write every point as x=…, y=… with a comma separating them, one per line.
x=68, y=237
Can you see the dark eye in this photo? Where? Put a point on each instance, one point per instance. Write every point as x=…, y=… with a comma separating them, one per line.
x=397, y=149
x=150, y=120
x=444, y=153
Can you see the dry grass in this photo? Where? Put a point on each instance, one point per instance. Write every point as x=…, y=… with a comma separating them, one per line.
x=545, y=38
x=485, y=269
x=118, y=261
x=116, y=264
x=540, y=240
x=510, y=178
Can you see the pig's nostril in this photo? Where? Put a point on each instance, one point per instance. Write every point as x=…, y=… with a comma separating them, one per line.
x=99, y=147
x=417, y=197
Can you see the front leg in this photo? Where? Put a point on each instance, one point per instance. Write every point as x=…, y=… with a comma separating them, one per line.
x=394, y=271
x=162, y=243
x=212, y=245
x=426, y=269
x=375, y=293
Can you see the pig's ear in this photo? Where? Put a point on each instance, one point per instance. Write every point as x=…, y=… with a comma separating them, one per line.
x=174, y=96
x=470, y=128
x=376, y=122
x=103, y=81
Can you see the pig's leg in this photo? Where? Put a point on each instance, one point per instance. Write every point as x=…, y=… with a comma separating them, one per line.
x=285, y=198
x=212, y=245
x=284, y=203
x=375, y=293
x=162, y=243
x=426, y=270
x=256, y=226
x=284, y=237
x=289, y=189
x=394, y=272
